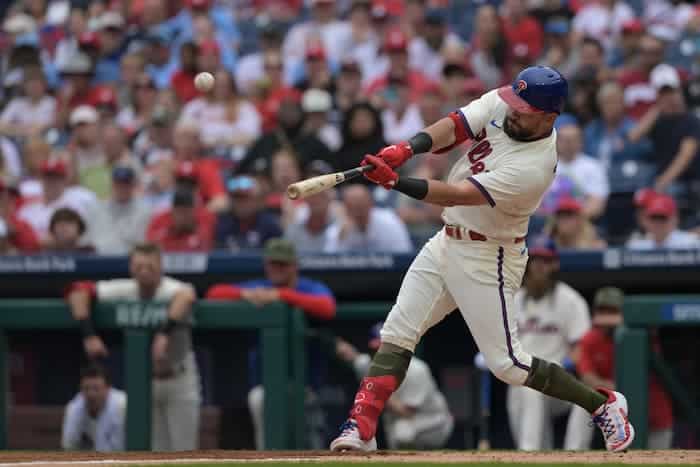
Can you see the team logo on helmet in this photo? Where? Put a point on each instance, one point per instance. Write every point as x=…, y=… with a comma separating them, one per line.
x=520, y=86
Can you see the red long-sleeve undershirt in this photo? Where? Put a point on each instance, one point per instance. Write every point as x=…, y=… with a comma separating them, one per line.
x=315, y=306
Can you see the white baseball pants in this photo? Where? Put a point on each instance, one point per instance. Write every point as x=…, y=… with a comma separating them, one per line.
x=175, y=412
x=479, y=277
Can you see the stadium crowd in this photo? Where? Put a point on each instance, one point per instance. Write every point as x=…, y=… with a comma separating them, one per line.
x=106, y=142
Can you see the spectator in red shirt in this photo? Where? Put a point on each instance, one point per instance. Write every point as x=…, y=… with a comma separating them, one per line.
x=188, y=147
x=19, y=236
x=596, y=360
x=184, y=227
x=521, y=30
x=183, y=79
x=396, y=48
x=640, y=95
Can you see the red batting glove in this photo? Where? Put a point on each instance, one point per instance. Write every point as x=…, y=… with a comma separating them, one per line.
x=396, y=154
x=382, y=174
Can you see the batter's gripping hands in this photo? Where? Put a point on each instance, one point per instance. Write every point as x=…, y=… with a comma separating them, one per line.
x=382, y=174
x=396, y=154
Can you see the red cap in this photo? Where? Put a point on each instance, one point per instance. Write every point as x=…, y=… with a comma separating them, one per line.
x=568, y=204
x=288, y=94
x=632, y=26
x=89, y=39
x=315, y=51
x=198, y=4
x=106, y=96
x=187, y=170
x=661, y=205
x=53, y=167
x=395, y=41
x=643, y=197
x=209, y=47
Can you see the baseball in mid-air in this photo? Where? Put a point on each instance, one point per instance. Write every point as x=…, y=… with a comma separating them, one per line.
x=204, y=81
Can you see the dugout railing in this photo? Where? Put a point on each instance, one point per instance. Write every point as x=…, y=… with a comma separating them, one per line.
x=281, y=334
x=634, y=357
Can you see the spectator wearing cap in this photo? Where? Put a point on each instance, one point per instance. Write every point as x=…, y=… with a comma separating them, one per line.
x=625, y=48
x=35, y=152
x=227, y=121
x=551, y=318
x=56, y=193
x=182, y=81
x=185, y=227
x=396, y=66
x=287, y=133
x=324, y=25
x=250, y=69
x=134, y=117
x=86, y=150
x=315, y=71
x=117, y=224
x=522, y=31
x=559, y=51
x=660, y=222
x=596, y=365
x=401, y=116
x=317, y=104
x=640, y=93
x=367, y=228
x=19, y=236
x=673, y=130
x=577, y=174
x=433, y=39
x=76, y=88
x=161, y=64
x=31, y=113
x=310, y=223
x=106, y=104
x=187, y=148
x=570, y=229
x=417, y=415
x=363, y=133
x=246, y=225
x=66, y=230
x=282, y=284
x=348, y=87
x=602, y=21
x=113, y=45
x=215, y=51
x=488, y=55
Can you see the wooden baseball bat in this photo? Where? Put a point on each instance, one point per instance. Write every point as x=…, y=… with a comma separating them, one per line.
x=314, y=185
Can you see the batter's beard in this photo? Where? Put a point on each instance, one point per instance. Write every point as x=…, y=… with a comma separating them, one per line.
x=517, y=135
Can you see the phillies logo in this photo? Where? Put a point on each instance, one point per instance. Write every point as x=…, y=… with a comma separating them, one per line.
x=521, y=86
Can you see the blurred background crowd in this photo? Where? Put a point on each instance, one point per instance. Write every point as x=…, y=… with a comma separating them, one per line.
x=105, y=142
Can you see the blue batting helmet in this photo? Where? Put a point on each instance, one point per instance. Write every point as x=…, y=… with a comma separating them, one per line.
x=536, y=89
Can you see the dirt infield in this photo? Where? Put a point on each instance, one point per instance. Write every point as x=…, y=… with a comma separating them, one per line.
x=58, y=459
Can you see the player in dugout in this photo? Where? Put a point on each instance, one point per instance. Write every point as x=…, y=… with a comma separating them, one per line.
x=282, y=283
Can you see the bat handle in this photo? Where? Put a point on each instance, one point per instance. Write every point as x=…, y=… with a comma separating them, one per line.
x=357, y=171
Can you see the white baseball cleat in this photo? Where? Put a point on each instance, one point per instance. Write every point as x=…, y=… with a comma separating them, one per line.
x=349, y=439
x=611, y=418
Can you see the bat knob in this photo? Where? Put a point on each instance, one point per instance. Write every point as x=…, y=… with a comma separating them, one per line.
x=293, y=192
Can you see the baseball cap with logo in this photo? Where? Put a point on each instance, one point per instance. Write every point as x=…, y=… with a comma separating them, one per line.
x=280, y=249
x=568, y=204
x=395, y=41
x=609, y=297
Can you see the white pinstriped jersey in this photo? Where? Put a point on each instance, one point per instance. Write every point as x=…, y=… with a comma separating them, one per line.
x=512, y=175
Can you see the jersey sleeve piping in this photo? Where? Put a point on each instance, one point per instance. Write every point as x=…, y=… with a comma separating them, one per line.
x=465, y=123
x=483, y=191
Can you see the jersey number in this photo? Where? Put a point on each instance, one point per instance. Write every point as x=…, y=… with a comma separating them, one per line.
x=479, y=152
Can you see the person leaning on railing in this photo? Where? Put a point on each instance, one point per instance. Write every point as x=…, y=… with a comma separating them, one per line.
x=176, y=386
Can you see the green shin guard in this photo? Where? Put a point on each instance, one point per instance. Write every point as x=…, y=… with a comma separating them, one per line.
x=391, y=360
x=555, y=381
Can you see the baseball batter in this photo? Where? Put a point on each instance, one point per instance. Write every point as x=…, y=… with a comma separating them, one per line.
x=476, y=262
x=176, y=393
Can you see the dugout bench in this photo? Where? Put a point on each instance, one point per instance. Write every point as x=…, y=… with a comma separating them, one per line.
x=282, y=335
x=633, y=357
